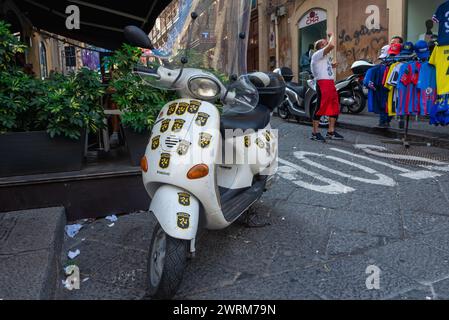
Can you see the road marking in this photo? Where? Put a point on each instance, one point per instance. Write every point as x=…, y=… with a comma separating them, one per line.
x=371, y=149
x=289, y=170
x=382, y=180
x=415, y=175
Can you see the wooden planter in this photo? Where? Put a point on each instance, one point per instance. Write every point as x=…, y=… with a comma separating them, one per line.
x=137, y=144
x=28, y=153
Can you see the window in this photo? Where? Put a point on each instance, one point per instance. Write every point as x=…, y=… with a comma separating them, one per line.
x=70, y=56
x=43, y=60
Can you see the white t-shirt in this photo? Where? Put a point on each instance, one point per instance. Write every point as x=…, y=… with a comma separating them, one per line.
x=321, y=66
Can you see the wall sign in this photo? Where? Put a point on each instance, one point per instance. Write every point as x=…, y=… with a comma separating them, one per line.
x=312, y=17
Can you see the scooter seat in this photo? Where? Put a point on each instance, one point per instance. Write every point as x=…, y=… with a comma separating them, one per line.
x=257, y=119
x=300, y=90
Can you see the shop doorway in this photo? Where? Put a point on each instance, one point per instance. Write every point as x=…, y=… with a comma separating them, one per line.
x=419, y=15
x=253, y=43
x=312, y=27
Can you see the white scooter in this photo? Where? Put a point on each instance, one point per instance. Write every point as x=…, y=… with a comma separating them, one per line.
x=199, y=167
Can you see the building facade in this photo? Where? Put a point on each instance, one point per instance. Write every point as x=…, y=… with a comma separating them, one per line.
x=46, y=52
x=363, y=27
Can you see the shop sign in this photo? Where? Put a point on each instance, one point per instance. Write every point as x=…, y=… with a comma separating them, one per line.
x=312, y=17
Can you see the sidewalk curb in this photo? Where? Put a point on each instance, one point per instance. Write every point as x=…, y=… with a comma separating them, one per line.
x=30, y=252
x=389, y=133
x=397, y=134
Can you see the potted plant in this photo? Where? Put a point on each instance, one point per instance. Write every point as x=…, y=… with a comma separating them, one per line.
x=43, y=122
x=139, y=102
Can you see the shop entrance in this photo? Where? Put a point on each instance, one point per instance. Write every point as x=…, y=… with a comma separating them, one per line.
x=312, y=27
x=419, y=19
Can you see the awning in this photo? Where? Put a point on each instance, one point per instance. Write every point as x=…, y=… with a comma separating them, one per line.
x=101, y=21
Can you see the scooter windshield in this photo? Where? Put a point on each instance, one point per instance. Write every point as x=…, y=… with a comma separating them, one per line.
x=211, y=35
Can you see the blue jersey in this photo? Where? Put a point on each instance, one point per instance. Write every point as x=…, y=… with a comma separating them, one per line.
x=439, y=113
x=404, y=97
x=442, y=18
x=427, y=85
x=377, y=94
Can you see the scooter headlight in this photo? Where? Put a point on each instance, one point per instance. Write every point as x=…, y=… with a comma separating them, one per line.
x=204, y=88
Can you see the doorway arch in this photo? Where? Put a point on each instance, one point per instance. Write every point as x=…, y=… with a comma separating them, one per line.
x=301, y=10
x=312, y=27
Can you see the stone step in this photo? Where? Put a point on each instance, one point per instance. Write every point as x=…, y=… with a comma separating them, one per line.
x=30, y=249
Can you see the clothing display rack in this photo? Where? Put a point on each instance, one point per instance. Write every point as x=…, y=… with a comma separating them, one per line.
x=404, y=141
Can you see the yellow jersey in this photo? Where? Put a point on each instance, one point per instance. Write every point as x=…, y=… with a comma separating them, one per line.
x=440, y=59
x=391, y=91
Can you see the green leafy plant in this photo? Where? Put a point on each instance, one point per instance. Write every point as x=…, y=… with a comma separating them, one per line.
x=18, y=92
x=9, y=46
x=139, y=102
x=61, y=105
x=72, y=104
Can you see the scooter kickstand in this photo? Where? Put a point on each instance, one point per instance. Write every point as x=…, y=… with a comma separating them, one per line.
x=251, y=219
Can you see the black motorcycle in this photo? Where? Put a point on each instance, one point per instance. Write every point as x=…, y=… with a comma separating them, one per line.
x=301, y=100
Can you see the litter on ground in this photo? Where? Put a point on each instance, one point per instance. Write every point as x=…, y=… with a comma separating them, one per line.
x=73, y=230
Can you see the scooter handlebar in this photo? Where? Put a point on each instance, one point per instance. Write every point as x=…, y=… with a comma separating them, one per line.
x=146, y=71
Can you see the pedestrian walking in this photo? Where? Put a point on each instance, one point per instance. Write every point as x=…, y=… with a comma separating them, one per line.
x=328, y=103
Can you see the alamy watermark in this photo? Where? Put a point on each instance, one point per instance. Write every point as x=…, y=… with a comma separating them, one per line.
x=373, y=280
x=73, y=20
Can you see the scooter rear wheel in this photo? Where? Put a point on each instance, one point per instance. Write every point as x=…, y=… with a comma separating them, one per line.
x=166, y=265
x=360, y=104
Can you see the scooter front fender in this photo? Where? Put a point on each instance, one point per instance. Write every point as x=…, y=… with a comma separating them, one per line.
x=177, y=212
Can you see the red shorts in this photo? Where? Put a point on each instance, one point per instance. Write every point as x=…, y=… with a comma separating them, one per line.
x=328, y=100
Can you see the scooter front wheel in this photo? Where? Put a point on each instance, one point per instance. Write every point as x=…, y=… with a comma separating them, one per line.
x=283, y=111
x=166, y=265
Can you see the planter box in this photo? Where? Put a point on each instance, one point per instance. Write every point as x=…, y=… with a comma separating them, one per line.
x=28, y=153
x=137, y=144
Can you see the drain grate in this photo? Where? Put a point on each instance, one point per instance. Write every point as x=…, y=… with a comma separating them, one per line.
x=417, y=156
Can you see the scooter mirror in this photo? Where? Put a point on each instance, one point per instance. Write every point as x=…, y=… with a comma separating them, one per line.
x=137, y=37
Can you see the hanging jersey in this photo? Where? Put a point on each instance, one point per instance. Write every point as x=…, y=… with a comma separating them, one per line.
x=386, y=73
x=427, y=85
x=394, y=76
x=416, y=93
x=377, y=94
x=390, y=85
x=440, y=59
x=403, y=88
x=439, y=113
x=442, y=18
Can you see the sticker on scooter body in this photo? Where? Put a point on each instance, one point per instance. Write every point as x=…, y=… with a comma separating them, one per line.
x=155, y=142
x=182, y=108
x=184, y=199
x=183, y=148
x=194, y=107
x=165, y=125
x=178, y=125
x=205, y=140
x=260, y=143
x=164, y=163
x=247, y=141
x=183, y=220
x=202, y=119
x=267, y=135
x=172, y=109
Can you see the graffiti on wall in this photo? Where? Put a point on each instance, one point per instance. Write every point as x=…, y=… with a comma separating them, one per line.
x=362, y=32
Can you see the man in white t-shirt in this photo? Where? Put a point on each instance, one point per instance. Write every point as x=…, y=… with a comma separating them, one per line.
x=328, y=103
